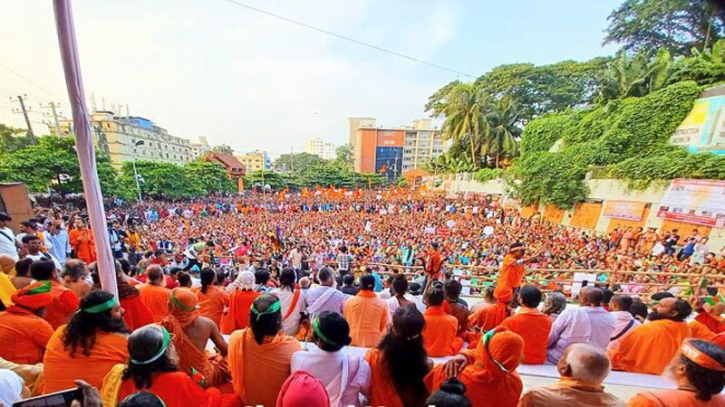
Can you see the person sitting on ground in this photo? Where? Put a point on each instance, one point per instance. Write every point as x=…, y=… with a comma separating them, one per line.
x=154, y=293
x=184, y=280
x=456, y=307
x=588, y=323
x=347, y=285
x=345, y=376
x=7, y=289
x=583, y=368
x=452, y=393
x=554, y=305
x=531, y=324
x=664, y=332
x=292, y=300
x=74, y=277
x=302, y=389
x=488, y=300
x=88, y=347
x=440, y=333
x=135, y=312
x=259, y=356
x=325, y=297
x=699, y=369
x=191, y=334
x=152, y=367
x=488, y=318
x=639, y=311
x=624, y=321
x=399, y=363
x=367, y=314
x=212, y=298
x=24, y=333
x=12, y=388
x=400, y=296
x=240, y=302
x=488, y=371
x=65, y=302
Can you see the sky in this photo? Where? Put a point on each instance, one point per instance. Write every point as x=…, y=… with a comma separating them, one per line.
x=238, y=77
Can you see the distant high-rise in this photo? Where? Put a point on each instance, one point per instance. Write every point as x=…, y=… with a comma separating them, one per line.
x=314, y=145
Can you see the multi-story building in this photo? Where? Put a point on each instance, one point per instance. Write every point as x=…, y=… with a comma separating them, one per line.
x=255, y=160
x=359, y=123
x=393, y=152
x=124, y=138
x=200, y=148
x=314, y=145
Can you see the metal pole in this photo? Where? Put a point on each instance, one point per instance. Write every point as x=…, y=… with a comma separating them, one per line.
x=135, y=175
x=27, y=120
x=84, y=143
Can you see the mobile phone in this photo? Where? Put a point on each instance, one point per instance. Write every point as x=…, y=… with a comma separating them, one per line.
x=63, y=398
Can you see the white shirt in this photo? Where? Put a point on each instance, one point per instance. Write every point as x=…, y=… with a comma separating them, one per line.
x=291, y=325
x=44, y=256
x=7, y=244
x=328, y=368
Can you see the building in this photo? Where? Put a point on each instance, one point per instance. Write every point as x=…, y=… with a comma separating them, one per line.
x=235, y=169
x=314, y=145
x=200, y=148
x=124, y=138
x=255, y=160
x=394, y=151
x=359, y=123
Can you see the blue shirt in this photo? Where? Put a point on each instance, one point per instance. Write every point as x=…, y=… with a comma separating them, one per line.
x=60, y=245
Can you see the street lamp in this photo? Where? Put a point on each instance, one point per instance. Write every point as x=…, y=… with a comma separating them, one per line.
x=135, y=173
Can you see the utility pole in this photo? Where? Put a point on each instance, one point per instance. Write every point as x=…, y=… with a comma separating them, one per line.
x=54, y=112
x=27, y=119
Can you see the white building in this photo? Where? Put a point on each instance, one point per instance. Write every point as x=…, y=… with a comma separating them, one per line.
x=314, y=145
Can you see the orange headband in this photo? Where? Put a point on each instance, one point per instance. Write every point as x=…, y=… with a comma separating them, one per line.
x=699, y=358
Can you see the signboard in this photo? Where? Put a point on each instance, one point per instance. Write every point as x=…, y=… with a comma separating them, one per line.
x=701, y=202
x=704, y=128
x=624, y=210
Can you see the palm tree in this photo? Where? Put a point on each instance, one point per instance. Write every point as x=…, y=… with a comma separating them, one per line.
x=636, y=75
x=465, y=117
x=502, y=130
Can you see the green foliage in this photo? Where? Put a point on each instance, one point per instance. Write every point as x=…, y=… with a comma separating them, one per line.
x=634, y=75
x=448, y=163
x=296, y=163
x=11, y=139
x=675, y=25
x=261, y=178
x=223, y=149
x=669, y=164
x=168, y=180
x=623, y=131
x=488, y=174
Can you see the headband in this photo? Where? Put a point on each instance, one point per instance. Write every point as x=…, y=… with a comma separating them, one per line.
x=179, y=304
x=270, y=310
x=318, y=332
x=161, y=352
x=97, y=309
x=134, y=395
x=689, y=351
x=486, y=339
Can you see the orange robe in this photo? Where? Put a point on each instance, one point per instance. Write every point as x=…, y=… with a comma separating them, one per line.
x=212, y=303
x=156, y=299
x=673, y=398
x=650, y=347
x=486, y=383
x=382, y=389
x=61, y=369
x=258, y=371
x=240, y=303
x=511, y=272
x=136, y=314
x=176, y=390
x=700, y=331
x=368, y=317
x=534, y=327
x=65, y=304
x=23, y=336
x=712, y=322
x=86, y=248
x=439, y=334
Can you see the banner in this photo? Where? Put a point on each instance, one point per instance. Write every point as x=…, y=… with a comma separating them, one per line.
x=624, y=210
x=701, y=202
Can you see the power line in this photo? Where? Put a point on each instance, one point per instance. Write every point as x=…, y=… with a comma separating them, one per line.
x=28, y=80
x=346, y=38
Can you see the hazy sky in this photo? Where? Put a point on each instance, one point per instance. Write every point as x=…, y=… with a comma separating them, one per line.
x=209, y=67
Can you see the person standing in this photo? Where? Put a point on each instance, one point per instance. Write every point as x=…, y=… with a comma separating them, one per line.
x=82, y=242
x=58, y=240
x=7, y=237
x=512, y=268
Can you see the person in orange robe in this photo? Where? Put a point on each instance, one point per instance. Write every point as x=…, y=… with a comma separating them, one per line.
x=212, y=299
x=191, y=333
x=512, y=267
x=260, y=356
x=710, y=315
x=135, y=312
x=719, y=340
x=489, y=371
x=399, y=363
x=441, y=329
x=24, y=333
x=531, y=324
x=367, y=314
x=82, y=241
x=700, y=331
x=92, y=343
x=65, y=302
x=664, y=333
x=699, y=370
x=240, y=303
x=152, y=369
x=488, y=318
x=154, y=293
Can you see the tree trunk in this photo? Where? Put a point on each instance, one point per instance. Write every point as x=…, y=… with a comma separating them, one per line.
x=497, y=155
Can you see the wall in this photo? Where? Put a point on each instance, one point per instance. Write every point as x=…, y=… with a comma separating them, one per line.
x=17, y=203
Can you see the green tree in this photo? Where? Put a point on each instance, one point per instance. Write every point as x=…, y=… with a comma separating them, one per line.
x=261, y=178
x=297, y=163
x=635, y=75
x=343, y=157
x=223, y=149
x=209, y=178
x=676, y=25
x=502, y=130
x=12, y=139
x=466, y=117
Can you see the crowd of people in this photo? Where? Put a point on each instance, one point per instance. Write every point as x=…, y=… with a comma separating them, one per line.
x=312, y=300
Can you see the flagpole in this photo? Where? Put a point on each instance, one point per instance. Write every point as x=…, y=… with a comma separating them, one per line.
x=84, y=143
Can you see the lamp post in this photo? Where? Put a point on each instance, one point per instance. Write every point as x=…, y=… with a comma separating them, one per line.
x=135, y=173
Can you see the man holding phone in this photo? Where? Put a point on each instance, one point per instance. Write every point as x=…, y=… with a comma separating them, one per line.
x=513, y=269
